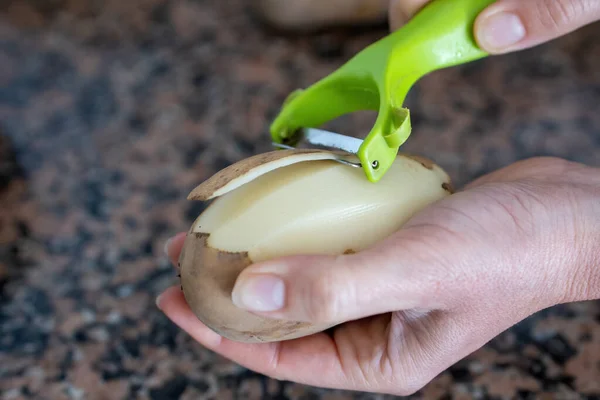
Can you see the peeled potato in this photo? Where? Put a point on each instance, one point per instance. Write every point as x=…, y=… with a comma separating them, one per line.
x=291, y=202
x=307, y=15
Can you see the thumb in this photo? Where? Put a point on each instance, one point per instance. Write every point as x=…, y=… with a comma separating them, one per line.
x=325, y=289
x=510, y=25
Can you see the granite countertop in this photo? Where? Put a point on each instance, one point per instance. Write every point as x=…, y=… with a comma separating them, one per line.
x=111, y=112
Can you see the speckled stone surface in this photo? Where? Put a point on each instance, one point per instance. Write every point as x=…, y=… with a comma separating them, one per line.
x=112, y=111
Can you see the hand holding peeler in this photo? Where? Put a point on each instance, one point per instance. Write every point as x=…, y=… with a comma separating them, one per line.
x=379, y=78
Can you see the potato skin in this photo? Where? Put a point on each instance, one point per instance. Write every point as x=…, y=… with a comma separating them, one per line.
x=216, y=276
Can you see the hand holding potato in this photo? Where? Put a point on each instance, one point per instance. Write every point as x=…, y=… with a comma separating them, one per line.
x=285, y=203
x=452, y=274
x=458, y=273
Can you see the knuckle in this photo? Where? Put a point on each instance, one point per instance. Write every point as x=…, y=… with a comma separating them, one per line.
x=428, y=244
x=558, y=15
x=324, y=298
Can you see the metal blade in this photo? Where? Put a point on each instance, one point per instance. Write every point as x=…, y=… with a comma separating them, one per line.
x=320, y=137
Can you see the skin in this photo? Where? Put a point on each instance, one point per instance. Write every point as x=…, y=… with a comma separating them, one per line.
x=510, y=244
x=514, y=242
x=542, y=20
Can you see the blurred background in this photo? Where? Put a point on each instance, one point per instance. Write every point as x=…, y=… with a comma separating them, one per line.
x=112, y=111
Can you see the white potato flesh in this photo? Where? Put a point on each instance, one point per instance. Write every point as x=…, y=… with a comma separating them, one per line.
x=319, y=207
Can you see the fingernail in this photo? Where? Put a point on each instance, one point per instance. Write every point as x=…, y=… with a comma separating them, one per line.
x=501, y=30
x=261, y=293
x=157, y=301
x=167, y=245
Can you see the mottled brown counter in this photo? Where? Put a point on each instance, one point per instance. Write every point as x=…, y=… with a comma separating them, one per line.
x=112, y=111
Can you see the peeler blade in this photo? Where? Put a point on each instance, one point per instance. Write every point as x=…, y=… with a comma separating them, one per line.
x=324, y=139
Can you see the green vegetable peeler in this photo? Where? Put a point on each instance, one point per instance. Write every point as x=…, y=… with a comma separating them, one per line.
x=379, y=78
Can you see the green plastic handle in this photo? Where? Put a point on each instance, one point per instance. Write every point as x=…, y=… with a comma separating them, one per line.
x=379, y=78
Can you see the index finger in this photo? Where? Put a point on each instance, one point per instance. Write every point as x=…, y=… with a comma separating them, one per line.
x=312, y=360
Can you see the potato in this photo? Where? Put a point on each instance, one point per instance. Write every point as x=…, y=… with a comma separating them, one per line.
x=308, y=15
x=291, y=202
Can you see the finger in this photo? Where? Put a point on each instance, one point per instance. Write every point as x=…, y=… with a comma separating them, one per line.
x=173, y=247
x=295, y=360
x=391, y=276
x=400, y=11
x=510, y=25
x=395, y=353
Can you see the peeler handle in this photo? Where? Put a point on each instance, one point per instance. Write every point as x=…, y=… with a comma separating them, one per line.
x=379, y=78
x=439, y=36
